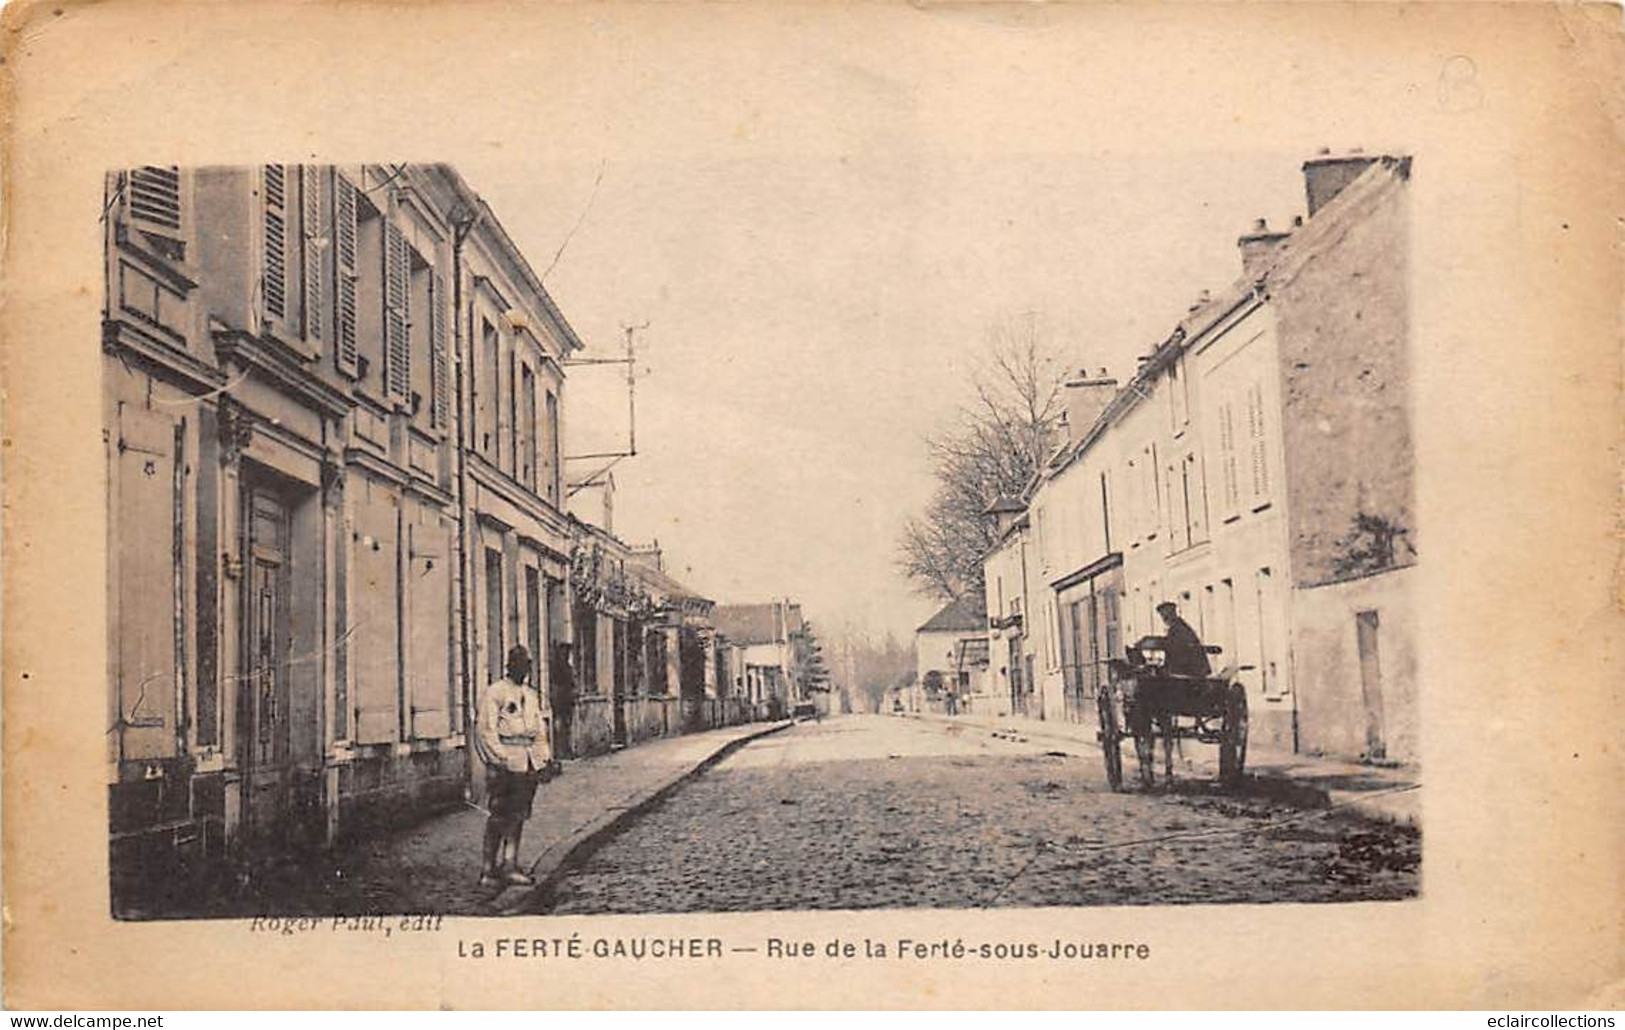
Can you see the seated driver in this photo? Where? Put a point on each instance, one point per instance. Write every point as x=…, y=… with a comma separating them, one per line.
x=1183, y=653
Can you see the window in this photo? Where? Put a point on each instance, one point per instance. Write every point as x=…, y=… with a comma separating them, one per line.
x=420, y=342
x=493, y=615
x=552, y=471
x=527, y=427
x=486, y=389
x=368, y=291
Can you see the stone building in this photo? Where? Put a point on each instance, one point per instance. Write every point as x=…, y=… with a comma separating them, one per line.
x=1256, y=470
x=328, y=392
x=951, y=654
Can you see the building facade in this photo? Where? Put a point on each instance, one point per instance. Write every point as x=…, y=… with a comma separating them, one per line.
x=1257, y=471
x=951, y=655
x=333, y=414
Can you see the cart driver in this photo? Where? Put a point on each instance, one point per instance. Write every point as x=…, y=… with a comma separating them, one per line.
x=1183, y=653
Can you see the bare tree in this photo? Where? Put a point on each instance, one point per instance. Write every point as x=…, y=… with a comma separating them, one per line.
x=1004, y=433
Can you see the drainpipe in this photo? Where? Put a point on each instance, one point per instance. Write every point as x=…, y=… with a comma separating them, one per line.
x=460, y=234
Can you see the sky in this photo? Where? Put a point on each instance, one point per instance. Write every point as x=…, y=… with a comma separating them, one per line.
x=819, y=265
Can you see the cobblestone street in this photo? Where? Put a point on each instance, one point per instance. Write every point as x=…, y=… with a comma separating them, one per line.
x=878, y=811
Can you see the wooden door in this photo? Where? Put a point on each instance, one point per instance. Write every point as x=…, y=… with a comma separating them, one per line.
x=263, y=703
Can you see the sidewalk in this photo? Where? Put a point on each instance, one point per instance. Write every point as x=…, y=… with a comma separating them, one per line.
x=1391, y=794
x=434, y=867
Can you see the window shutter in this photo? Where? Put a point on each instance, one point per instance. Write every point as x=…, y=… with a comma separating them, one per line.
x=430, y=630
x=397, y=353
x=437, y=350
x=154, y=200
x=1255, y=425
x=374, y=602
x=310, y=189
x=1227, y=445
x=344, y=251
x=275, y=259
x=146, y=682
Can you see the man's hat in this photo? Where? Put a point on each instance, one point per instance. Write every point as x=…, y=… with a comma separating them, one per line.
x=1167, y=606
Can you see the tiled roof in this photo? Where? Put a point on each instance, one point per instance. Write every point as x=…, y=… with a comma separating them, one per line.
x=967, y=613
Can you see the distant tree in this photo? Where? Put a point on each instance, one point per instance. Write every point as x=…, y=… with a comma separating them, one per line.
x=1002, y=435
x=869, y=669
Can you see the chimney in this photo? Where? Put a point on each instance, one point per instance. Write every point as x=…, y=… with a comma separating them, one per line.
x=1326, y=175
x=1258, y=246
x=1086, y=397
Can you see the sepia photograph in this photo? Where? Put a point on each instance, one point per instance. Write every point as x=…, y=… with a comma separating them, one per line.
x=774, y=505
x=398, y=624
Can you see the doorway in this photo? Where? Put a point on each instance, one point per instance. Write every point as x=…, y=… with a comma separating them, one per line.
x=263, y=695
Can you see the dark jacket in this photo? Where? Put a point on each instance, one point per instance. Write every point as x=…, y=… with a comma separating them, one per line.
x=1183, y=651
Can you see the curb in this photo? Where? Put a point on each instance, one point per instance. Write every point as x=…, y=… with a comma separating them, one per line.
x=553, y=863
x=1287, y=789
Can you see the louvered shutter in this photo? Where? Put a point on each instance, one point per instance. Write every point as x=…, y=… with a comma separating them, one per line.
x=154, y=200
x=1227, y=444
x=397, y=346
x=275, y=239
x=437, y=350
x=310, y=190
x=344, y=252
x=1255, y=425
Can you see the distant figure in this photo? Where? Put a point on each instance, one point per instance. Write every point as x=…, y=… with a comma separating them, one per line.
x=1183, y=653
x=561, y=691
x=512, y=741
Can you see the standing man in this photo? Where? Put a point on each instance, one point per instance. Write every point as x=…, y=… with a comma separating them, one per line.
x=1183, y=653
x=512, y=740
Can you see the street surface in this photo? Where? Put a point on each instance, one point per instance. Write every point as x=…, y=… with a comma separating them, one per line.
x=886, y=812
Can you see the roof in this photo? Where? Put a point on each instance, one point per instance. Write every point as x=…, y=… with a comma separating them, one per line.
x=755, y=623
x=493, y=227
x=967, y=613
x=1320, y=232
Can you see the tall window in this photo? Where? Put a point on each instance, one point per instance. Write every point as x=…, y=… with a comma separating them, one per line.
x=493, y=615
x=486, y=389
x=527, y=427
x=552, y=471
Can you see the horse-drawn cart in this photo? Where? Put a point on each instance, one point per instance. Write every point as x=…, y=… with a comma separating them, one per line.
x=1142, y=701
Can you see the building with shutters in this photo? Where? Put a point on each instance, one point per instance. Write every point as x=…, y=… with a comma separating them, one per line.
x=332, y=414
x=1257, y=470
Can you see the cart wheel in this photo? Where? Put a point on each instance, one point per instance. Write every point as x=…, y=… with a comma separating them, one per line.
x=1111, y=740
x=1233, y=751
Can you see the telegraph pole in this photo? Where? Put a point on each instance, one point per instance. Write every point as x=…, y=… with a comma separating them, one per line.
x=631, y=363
